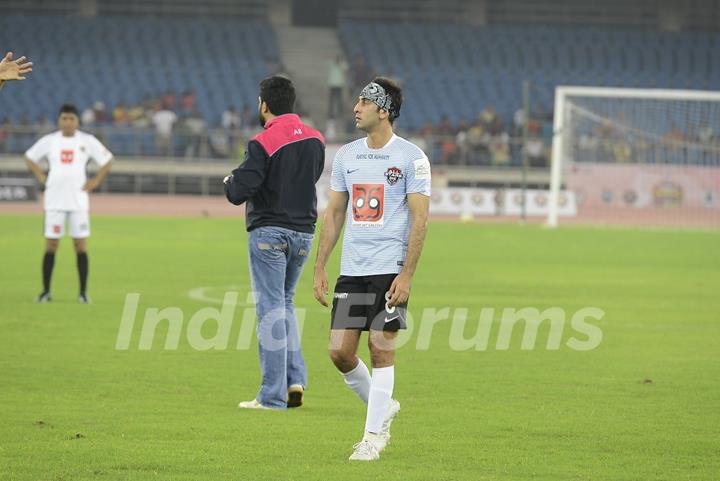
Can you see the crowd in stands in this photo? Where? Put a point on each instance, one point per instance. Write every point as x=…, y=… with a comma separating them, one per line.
x=485, y=140
x=178, y=127
x=609, y=142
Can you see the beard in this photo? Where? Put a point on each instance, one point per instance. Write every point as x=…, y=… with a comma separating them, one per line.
x=261, y=120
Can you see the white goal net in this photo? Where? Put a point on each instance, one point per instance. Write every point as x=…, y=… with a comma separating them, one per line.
x=637, y=156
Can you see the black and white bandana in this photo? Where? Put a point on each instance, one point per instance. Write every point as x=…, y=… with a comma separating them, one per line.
x=377, y=95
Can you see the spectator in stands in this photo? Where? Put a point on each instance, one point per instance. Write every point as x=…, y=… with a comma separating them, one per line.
x=500, y=149
x=478, y=145
x=445, y=127
x=444, y=141
x=705, y=134
x=87, y=118
x=427, y=129
x=622, y=151
x=461, y=139
x=188, y=103
x=164, y=120
x=219, y=143
x=168, y=101
x=231, y=123
x=536, y=152
x=93, y=115
x=120, y=115
x=136, y=116
x=230, y=119
x=196, y=130
x=337, y=80
x=448, y=150
x=150, y=105
x=674, y=137
x=101, y=115
x=489, y=117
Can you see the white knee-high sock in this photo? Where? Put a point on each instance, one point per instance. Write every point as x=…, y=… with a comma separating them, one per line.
x=381, y=389
x=359, y=380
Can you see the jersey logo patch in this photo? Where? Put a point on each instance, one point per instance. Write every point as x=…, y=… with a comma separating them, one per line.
x=368, y=204
x=393, y=174
x=67, y=156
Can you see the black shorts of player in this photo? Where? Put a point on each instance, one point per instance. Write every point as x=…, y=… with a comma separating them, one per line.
x=361, y=303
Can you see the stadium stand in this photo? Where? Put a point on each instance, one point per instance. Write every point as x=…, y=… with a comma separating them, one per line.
x=457, y=70
x=449, y=69
x=122, y=59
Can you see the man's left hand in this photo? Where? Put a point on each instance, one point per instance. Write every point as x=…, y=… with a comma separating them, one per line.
x=400, y=289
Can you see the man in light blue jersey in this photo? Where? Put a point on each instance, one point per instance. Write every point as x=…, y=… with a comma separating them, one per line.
x=380, y=188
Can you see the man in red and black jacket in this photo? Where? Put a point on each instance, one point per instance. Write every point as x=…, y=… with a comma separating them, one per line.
x=277, y=184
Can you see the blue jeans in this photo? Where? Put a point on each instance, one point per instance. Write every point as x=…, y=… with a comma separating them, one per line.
x=277, y=257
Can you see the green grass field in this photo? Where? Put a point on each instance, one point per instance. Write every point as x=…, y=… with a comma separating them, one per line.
x=72, y=407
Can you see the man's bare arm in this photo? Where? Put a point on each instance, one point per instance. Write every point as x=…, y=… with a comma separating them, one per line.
x=419, y=205
x=36, y=170
x=333, y=222
x=92, y=184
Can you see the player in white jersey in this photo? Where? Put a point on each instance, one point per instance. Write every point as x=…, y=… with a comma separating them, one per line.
x=380, y=188
x=67, y=152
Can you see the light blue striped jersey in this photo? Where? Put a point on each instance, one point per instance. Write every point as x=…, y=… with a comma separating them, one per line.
x=378, y=218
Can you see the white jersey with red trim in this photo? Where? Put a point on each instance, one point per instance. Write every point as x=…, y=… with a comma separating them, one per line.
x=67, y=159
x=378, y=217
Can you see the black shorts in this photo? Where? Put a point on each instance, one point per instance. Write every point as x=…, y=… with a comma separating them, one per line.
x=361, y=303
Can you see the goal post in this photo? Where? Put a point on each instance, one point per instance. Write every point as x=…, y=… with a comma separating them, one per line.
x=632, y=153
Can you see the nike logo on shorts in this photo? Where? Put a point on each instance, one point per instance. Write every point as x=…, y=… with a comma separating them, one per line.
x=351, y=171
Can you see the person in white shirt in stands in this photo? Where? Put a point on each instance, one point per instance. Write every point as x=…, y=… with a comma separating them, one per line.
x=163, y=120
x=67, y=152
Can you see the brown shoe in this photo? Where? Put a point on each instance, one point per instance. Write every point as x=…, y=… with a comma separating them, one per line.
x=295, y=396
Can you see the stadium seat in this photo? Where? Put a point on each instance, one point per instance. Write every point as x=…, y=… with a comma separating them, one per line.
x=473, y=67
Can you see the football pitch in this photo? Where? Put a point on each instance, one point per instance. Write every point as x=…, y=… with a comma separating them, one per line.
x=641, y=404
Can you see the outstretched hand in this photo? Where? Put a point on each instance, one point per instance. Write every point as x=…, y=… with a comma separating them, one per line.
x=14, y=69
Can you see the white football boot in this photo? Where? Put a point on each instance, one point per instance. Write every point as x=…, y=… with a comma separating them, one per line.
x=384, y=436
x=365, y=450
x=254, y=404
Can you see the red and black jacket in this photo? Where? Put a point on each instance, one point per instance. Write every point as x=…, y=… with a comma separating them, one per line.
x=277, y=178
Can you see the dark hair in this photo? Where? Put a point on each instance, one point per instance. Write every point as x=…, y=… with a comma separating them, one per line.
x=68, y=109
x=395, y=92
x=279, y=94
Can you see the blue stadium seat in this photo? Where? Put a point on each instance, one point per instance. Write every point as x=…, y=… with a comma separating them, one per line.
x=487, y=65
x=123, y=58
